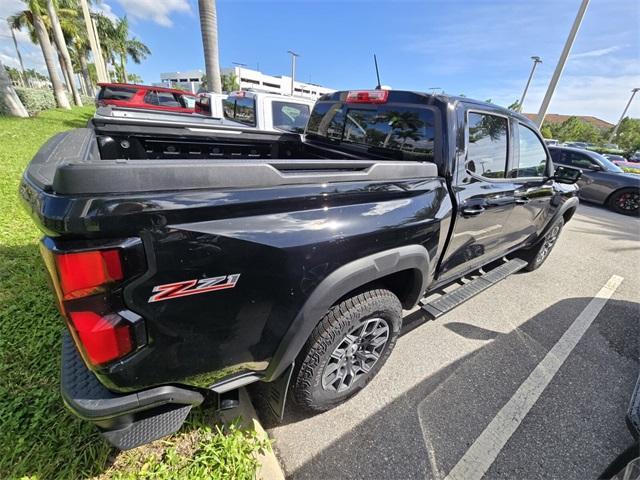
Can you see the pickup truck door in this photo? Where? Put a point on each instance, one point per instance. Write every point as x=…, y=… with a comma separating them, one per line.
x=530, y=171
x=486, y=198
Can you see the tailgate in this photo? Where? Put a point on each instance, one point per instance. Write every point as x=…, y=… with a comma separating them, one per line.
x=76, y=146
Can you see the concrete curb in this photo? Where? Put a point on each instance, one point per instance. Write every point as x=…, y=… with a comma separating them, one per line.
x=269, y=467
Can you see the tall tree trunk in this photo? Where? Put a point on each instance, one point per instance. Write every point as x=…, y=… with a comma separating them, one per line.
x=62, y=48
x=209, y=28
x=123, y=64
x=47, y=53
x=65, y=74
x=85, y=74
x=9, y=97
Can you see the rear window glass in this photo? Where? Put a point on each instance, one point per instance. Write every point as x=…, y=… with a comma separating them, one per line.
x=291, y=117
x=116, y=93
x=240, y=109
x=395, y=132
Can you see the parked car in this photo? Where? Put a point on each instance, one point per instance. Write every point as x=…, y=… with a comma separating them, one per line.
x=602, y=181
x=190, y=260
x=551, y=141
x=145, y=97
x=614, y=158
x=635, y=157
x=264, y=111
x=581, y=145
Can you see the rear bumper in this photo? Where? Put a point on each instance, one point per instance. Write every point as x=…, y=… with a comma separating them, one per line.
x=125, y=420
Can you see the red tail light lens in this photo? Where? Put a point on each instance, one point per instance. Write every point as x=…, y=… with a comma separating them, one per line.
x=85, y=273
x=104, y=338
x=86, y=283
x=367, y=96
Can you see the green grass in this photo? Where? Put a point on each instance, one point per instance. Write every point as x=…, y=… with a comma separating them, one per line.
x=631, y=170
x=38, y=437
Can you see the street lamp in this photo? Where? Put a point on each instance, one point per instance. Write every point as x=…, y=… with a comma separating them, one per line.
x=536, y=61
x=615, y=130
x=561, y=61
x=239, y=65
x=294, y=55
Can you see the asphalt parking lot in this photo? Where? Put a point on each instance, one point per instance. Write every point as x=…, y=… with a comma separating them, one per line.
x=530, y=379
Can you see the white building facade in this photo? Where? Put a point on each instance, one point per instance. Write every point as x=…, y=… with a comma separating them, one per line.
x=254, y=79
x=189, y=80
x=247, y=79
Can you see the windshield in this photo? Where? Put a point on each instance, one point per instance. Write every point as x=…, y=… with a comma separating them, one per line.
x=608, y=165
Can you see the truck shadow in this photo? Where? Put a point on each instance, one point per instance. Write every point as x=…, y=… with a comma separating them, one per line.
x=425, y=431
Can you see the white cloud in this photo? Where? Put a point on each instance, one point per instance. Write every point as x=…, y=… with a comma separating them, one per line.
x=159, y=11
x=598, y=52
x=31, y=54
x=105, y=9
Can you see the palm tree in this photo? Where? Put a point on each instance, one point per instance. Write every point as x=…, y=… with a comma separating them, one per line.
x=209, y=27
x=9, y=97
x=127, y=47
x=32, y=17
x=61, y=43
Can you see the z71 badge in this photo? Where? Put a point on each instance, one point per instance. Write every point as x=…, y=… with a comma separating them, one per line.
x=193, y=287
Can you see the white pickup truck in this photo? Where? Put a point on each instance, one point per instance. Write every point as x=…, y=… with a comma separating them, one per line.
x=264, y=111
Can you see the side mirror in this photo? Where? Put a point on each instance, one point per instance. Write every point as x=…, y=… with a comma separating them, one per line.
x=595, y=167
x=566, y=175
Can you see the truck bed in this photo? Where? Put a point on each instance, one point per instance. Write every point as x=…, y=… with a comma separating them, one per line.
x=129, y=155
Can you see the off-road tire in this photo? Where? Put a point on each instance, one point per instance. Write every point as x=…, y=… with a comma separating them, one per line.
x=333, y=330
x=539, y=253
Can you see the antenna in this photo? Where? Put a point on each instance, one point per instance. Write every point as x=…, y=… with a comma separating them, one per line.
x=375, y=61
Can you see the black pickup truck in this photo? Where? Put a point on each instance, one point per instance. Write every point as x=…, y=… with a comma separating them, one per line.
x=191, y=259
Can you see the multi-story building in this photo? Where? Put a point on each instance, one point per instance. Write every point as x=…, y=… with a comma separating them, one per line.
x=246, y=78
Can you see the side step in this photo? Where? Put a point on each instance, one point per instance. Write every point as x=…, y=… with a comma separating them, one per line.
x=449, y=301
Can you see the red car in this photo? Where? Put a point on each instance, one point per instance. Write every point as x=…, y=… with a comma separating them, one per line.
x=145, y=96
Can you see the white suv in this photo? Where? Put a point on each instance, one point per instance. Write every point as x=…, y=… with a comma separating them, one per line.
x=264, y=111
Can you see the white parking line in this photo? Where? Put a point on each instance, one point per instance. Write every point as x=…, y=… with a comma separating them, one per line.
x=477, y=460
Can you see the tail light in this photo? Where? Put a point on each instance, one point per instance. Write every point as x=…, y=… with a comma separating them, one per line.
x=367, y=96
x=88, y=287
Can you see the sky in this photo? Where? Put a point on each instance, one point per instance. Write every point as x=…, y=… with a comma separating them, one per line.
x=479, y=48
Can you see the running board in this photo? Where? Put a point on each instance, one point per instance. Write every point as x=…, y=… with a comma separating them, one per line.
x=449, y=301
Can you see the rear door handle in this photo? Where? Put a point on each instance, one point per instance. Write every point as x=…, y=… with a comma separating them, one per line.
x=522, y=200
x=472, y=211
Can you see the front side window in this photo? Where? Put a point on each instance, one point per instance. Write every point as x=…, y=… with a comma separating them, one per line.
x=167, y=99
x=291, y=117
x=577, y=160
x=488, y=142
x=533, y=157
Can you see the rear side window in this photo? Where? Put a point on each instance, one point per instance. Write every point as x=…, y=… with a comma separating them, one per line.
x=403, y=133
x=533, y=157
x=113, y=92
x=291, y=117
x=487, y=148
x=240, y=109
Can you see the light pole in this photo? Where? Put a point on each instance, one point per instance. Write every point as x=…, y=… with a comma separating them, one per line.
x=294, y=55
x=624, y=112
x=239, y=65
x=536, y=61
x=561, y=61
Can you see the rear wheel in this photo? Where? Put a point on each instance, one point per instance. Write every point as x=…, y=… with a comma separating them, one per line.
x=346, y=349
x=537, y=254
x=625, y=201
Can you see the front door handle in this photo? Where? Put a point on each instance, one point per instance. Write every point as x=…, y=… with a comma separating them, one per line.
x=473, y=211
x=522, y=200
